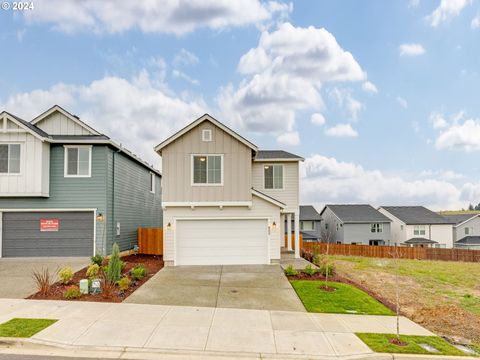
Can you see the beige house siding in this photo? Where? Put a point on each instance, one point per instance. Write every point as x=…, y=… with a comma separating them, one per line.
x=59, y=124
x=177, y=167
x=260, y=209
x=289, y=194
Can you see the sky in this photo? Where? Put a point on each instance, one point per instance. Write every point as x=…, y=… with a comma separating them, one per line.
x=381, y=98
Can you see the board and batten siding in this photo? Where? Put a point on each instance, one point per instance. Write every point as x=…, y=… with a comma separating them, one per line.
x=59, y=124
x=260, y=209
x=289, y=194
x=361, y=233
x=33, y=179
x=177, y=167
x=71, y=193
x=129, y=200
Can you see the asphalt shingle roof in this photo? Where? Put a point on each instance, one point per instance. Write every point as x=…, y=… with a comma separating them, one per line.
x=414, y=215
x=459, y=218
x=79, y=137
x=420, y=240
x=469, y=240
x=357, y=213
x=30, y=126
x=275, y=154
x=308, y=212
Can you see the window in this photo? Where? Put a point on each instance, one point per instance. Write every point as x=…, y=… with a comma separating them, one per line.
x=326, y=226
x=307, y=225
x=207, y=170
x=78, y=161
x=337, y=227
x=9, y=158
x=401, y=227
x=152, y=183
x=419, y=230
x=376, y=228
x=206, y=135
x=273, y=176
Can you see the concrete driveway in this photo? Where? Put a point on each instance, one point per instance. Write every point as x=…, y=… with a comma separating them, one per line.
x=16, y=273
x=262, y=287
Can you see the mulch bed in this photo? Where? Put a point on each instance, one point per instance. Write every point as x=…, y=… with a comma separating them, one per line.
x=152, y=263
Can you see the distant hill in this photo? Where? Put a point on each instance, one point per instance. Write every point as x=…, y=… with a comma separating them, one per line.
x=458, y=212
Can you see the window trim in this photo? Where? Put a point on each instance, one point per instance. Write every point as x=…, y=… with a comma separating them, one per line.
x=152, y=182
x=283, y=176
x=374, y=227
x=309, y=221
x=207, y=131
x=65, y=160
x=420, y=228
x=192, y=183
x=21, y=143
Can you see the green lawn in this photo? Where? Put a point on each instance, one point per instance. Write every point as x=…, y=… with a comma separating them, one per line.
x=24, y=328
x=380, y=343
x=346, y=299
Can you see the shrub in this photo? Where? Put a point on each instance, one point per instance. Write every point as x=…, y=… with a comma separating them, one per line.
x=309, y=270
x=327, y=268
x=43, y=281
x=290, y=271
x=72, y=292
x=138, y=272
x=92, y=271
x=124, y=283
x=114, y=267
x=307, y=255
x=317, y=259
x=97, y=259
x=66, y=275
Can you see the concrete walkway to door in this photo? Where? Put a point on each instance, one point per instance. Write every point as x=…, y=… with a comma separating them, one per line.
x=262, y=287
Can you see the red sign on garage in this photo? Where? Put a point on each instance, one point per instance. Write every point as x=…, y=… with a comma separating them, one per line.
x=49, y=225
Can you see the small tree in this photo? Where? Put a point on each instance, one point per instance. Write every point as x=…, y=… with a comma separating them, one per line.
x=396, y=256
x=114, y=267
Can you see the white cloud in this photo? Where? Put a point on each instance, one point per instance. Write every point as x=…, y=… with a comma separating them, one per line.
x=168, y=16
x=438, y=121
x=344, y=99
x=460, y=135
x=412, y=4
x=402, y=102
x=447, y=10
x=283, y=75
x=185, y=58
x=181, y=75
x=135, y=112
x=475, y=24
x=411, y=49
x=289, y=138
x=341, y=130
x=369, y=87
x=317, y=119
x=327, y=180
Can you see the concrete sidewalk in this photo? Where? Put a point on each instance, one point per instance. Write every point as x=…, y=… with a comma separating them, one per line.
x=202, y=329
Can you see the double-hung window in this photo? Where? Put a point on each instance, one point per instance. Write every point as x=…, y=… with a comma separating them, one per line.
x=419, y=230
x=273, y=176
x=376, y=228
x=207, y=170
x=307, y=225
x=9, y=158
x=78, y=161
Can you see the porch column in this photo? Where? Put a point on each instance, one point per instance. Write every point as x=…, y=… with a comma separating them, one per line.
x=282, y=230
x=297, y=235
x=289, y=232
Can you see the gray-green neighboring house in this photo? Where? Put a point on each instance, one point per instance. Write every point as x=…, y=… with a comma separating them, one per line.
x=68, y=190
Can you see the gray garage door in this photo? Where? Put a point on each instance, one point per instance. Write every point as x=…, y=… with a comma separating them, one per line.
x=27, y=234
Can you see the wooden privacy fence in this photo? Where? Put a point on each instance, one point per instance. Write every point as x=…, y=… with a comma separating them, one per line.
x=293, y=241
x=150, y=241
x=418, y=253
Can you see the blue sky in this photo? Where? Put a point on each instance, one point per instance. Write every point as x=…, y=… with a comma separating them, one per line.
x=381, y=98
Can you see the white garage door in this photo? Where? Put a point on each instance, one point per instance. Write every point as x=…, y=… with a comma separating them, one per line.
x=222, y=242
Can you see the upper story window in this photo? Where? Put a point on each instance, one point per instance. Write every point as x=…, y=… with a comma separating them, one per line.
x=152, y=183
x=206, y=135
x=307, y=225
x=468, y=230
x=207, y=170
x=9, y=158
x=78, y=161
x=419, y=230
x=273, y=176
x=376, y=228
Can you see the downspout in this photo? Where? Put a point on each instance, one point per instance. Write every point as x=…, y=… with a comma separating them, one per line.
x=114, y=227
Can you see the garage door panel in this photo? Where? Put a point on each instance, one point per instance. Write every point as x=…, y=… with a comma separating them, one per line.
x=216, y=242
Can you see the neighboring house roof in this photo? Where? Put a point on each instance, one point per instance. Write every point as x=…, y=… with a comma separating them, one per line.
x=459, y=219
x=419, y=240
x=26, y=125
x=276, y=155
x=416, y=215
x=308, y=212
x=353, y=213
x=469, y=240
x=268, y=198
x=69, y=115
x=201, y=119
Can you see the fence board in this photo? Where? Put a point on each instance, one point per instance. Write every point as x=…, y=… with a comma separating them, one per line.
x=387, y=252
x=293, y=241
x=150, y=241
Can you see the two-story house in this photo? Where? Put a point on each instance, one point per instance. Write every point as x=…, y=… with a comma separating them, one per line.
x=68, y=190
x=224, y=200
x=419, y=226
x=466, y=230
x=357, y=224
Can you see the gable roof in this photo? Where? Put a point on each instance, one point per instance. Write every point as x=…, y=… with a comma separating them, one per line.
x=469, y=240
x=308, y=212
x=72, y=117
x=25, y=125
x=357, y=213
x=201, y=119
x=416, y=215
x=276, y=155
x=419, y=240
x=458, y=219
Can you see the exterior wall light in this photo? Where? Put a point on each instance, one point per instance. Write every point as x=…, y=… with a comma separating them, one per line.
x=100, y=217
x=169, y=226
x=274, y=225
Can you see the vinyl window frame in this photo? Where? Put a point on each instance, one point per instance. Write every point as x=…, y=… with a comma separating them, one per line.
x=21, y=159
x=419, y=230
x=152, y=182
x=376, y=228
x=192, y=168
x=65, y=165
x=302, y=222
x=273, y=181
